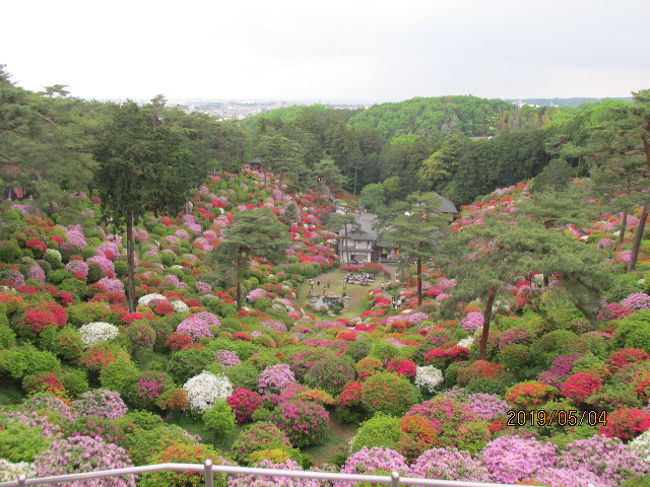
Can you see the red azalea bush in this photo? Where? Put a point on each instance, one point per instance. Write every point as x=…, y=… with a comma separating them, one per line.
x=530, y=395
x=367, y=367
x=37, y=317
x=626, y=423
x=626, y=356
x=351, y=395
x=581, y=385
x=178, y=341
x=402, y=367
x=244, y=403
x=441, y=356
x=418, y=435
x=173, y=400
x=479, y=369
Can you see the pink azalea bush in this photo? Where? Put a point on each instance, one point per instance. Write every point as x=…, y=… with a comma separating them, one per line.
x=473, y=321
x=195, y=327
x=511, y=459
x=449, y=464
x=608, y=458
x=275, y=378
x=84, y=454
x=374, y=461
x=102, y=403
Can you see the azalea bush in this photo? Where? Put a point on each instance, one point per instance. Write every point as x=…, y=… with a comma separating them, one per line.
x=275, y=378
x=101, y=403
x=84, y=454
x=449, y=464
x=204, y=389
x=244, y=403
x=305, y=422
x=511, y=459
x=263, y=435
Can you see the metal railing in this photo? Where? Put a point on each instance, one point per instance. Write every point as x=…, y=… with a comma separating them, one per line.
x=209, y=470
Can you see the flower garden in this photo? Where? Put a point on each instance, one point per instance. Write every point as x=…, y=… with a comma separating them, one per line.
x=86, y=385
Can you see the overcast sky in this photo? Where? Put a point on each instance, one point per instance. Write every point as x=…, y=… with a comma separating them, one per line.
x=356, y=50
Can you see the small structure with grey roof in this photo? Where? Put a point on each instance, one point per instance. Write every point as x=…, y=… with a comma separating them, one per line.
x=363, y=244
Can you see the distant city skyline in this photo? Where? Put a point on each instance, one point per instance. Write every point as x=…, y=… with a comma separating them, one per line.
x=364, y=51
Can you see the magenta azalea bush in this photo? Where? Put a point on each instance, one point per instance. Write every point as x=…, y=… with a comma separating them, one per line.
x=84, y=454
x=304, y=422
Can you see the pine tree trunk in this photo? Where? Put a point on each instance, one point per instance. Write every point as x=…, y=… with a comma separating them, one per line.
x=419, y=281
x=621, y=235
x=130, y=252
x=239, y=276
x=487, y=317
x=638, y=236
x=347, y=250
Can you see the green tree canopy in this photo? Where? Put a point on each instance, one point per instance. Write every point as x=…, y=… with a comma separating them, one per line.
x=485, y=259
x=254, y=233
x=143, y=166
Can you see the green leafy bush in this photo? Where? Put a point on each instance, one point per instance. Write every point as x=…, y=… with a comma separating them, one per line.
x=381, y=430
x=331, y=374
x=243, y=375
x=58, y=276
x=389, y=393
x=220, y=418
x=19, y=443
x=259, y=436
x=187, y=363
x=119, y=376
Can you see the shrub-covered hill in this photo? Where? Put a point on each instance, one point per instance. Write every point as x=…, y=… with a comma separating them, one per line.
x=87, y=385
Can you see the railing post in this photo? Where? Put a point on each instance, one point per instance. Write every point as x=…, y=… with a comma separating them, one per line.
x=21, y=481
x=394, y=479
x=208, y=474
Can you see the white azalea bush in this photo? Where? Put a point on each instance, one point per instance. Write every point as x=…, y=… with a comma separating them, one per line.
x=204, y=389
x=97, y=331
x=180, y=307
x=147, y=298
x=11, y=471
x=642, y=445
x=428, y=377
x=466, y=342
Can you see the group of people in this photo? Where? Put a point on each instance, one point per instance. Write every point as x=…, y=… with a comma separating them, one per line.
x=397, y=302
x=362, y=279
x=326, y=286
